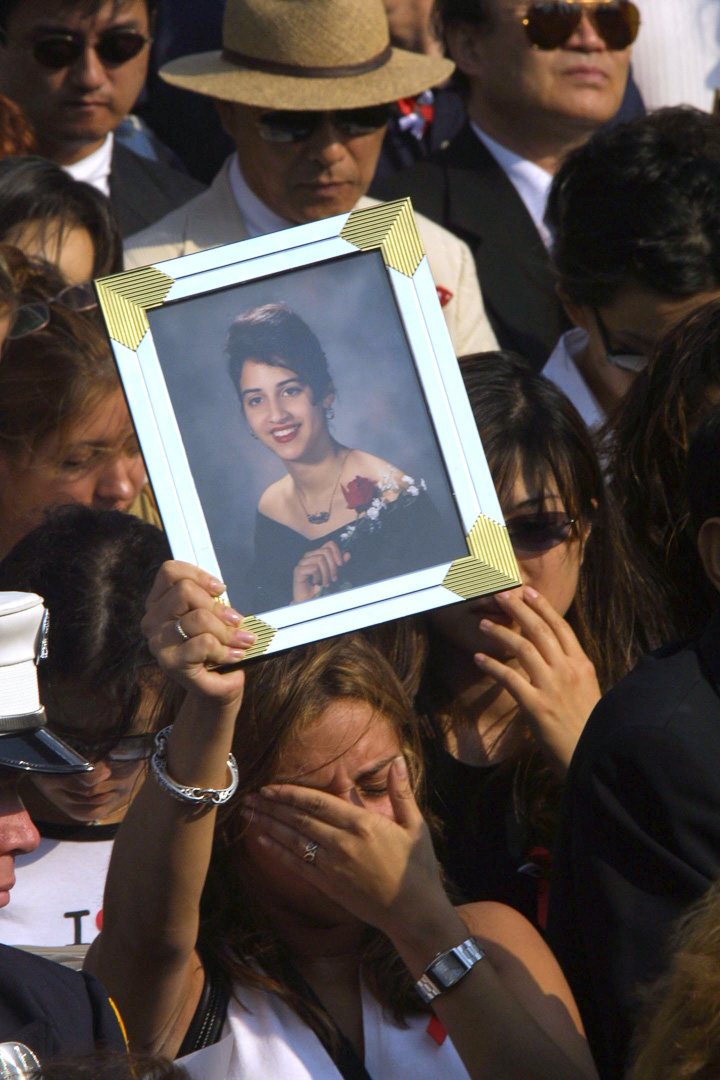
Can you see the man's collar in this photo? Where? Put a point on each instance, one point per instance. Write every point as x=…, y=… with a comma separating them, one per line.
x=259, y=218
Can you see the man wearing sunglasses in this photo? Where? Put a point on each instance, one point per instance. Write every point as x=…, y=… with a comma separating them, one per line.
x=76, y=68
x=304, y=90
x=635, y=214
x=539, y=77
x=45, y=1009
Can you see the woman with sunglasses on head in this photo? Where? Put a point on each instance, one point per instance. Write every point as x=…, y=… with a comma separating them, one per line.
x=100, y=689
x=300, y=937
x=50, y=216
x=511, y=679
x=635, y=218
x=340, y=517
x=65, y=430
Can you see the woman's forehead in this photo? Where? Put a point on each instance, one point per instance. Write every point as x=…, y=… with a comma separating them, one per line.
x=350, y=737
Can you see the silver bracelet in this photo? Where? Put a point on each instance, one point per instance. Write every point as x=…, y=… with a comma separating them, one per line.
x=181, y=792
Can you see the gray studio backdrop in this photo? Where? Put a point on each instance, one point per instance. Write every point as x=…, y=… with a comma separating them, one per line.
x=379, y=406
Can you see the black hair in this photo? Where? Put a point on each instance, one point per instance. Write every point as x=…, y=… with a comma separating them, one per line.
x=276, y=335
x=90, y=6
x=640, y=200
x=33, y=189
x=94, y=569
x=448, y=13
x=528, y=425
x=703, y=470
x=647, y=469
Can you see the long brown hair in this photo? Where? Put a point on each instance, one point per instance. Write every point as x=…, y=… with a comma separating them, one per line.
x=54, y=377
x=678, y=1037
x=647, y=466
x=284, y=697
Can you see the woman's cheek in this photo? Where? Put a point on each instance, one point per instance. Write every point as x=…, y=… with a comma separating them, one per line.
x=554, y=574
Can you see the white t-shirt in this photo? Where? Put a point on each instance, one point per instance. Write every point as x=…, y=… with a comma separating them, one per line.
x=269, y=1040
x=676, y=58
x=58, y=893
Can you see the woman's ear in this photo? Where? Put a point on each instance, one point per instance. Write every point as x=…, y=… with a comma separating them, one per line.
x=328, y=400
x=708, y=543
x=578, y=314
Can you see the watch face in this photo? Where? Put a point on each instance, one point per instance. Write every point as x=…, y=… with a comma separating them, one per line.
x=448, y=969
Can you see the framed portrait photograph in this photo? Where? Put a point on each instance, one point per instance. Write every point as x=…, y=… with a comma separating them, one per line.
x=305, y=427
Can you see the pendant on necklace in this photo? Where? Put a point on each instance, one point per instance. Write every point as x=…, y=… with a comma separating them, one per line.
x=320, y=518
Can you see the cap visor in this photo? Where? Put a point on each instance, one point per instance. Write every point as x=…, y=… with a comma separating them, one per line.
x=39, y=751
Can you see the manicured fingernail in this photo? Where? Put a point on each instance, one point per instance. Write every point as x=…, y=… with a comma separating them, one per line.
x=216, y=586
x=400, y=767
x=236, y=654
x=242, y=637
x=486, y=624
x=480, y=657
x=532, y=593
x=502, y=595
x=229, y=615
x=267, y=792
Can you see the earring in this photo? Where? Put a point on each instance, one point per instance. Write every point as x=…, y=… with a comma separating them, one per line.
x=329, y=413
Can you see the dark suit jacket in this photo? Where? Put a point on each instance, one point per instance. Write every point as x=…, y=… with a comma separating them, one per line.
x=464, y=189
x=54, y=1010
x=639, y=836
x=142, y=191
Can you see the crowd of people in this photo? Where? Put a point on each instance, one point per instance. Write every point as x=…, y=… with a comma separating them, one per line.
x=479, y=842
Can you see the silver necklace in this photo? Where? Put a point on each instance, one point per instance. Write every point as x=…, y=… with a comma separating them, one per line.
x=321, y=516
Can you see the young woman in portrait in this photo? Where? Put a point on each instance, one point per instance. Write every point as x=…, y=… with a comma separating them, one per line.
x=341, y=516
x=305, y=891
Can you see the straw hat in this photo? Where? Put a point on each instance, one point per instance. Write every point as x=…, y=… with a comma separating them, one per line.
x=307, y=54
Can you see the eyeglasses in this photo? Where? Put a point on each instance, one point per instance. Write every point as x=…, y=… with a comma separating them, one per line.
x=126, y=750
x=549, y=23
x=289, y=126
x=619, y=359
x=62, y=48
x=535, y=533
x=32, y=317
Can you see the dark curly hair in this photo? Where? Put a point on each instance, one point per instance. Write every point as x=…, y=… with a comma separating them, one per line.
x=642, y=201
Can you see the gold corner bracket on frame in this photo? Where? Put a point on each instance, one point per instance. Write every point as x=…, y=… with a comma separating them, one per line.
x=264, y=635
x=490, y=567
x=125, y=298
x=390, y=228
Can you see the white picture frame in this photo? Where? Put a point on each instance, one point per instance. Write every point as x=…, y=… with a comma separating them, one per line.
x=361, y=282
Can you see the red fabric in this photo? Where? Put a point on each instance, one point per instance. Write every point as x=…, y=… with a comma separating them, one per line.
x=543, y=860
x=436, y=1030
x=444, y=295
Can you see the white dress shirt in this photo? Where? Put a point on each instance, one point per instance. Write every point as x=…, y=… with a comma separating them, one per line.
x=95, y=168
x=564, y=372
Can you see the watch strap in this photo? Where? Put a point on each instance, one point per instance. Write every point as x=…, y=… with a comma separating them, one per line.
x=447, y=969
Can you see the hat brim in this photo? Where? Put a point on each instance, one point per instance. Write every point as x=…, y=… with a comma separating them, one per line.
x=39, y=751
x=405, y=73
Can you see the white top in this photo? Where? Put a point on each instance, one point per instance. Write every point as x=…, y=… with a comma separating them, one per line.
x=58, y=878
x=530, y=181
x=270, y=1041
x=676, y=58
x=259, y=218
x=563, y=371
x=95, y=168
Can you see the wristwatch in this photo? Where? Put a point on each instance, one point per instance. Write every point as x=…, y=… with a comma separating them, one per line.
x=447, y=969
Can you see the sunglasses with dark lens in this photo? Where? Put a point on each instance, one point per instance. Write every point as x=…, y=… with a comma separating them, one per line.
x=535, y=533
x=126, y=750
x=626, y=360
x=549, y=23
x=289, y=126
x=62, y=48
x=32, y=317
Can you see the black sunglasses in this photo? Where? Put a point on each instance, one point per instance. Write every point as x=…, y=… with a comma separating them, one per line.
x=60, y=49
x=626, y=360
x=535, y=533
x=549, y=23
x=36, y=316
x=289, y=126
